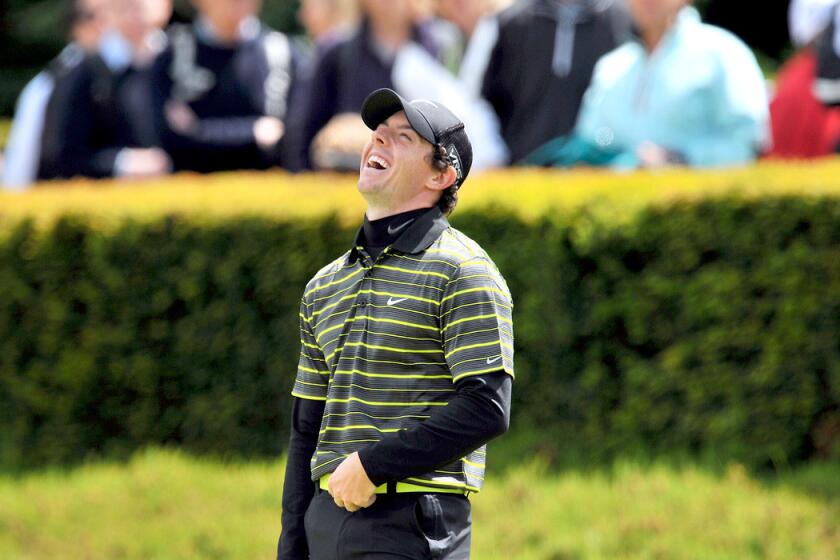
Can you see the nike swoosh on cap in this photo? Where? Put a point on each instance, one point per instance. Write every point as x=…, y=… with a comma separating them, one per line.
x=392, y=230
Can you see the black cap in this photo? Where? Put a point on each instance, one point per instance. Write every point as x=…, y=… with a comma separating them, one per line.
x=432, y=121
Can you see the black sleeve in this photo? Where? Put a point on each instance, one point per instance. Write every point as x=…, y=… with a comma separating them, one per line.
x=298, y=487
x=222, y=136
x=73, y=124
x=493, y=87
x=290, y=153
x=479, y=412
x=827, y=79
x=322, y=103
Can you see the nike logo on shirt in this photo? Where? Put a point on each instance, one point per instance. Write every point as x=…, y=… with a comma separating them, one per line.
x=491, y=361
x=393, y=230
x=392, y=301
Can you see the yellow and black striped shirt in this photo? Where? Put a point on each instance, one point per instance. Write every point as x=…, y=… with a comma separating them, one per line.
x=384, y=341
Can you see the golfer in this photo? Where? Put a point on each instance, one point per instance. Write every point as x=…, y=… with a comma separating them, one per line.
x=406, y=359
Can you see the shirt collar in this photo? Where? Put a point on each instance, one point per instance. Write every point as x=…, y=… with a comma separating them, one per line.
x=418, y=237
x=116, y=51
x=249, y=29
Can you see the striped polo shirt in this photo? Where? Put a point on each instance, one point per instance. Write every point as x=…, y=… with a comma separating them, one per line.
x=384, y=341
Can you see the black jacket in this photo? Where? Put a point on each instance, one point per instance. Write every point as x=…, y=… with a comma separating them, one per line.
x=228, y=88
x=92, y=114
x=535, y=104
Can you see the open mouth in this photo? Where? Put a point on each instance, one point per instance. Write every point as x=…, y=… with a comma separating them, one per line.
x=376, y=162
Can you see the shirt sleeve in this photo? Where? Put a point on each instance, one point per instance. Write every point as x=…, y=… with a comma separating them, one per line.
x=313, y=373
x=740, y=127
x=476, y=321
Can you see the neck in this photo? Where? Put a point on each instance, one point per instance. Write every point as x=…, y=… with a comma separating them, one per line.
x=380, y=211
x=225, y=31
x=652, y=37
x=384, y=231
x=469, y=23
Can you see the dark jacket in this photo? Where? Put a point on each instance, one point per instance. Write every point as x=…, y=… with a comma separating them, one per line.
x=93, y=113
x=228, y=88
x=533, y=102
x=344, y=76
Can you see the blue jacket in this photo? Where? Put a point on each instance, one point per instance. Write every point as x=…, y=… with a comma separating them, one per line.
x=700, y=94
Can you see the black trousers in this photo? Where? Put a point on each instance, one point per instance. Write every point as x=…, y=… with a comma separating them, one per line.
x=411, y=526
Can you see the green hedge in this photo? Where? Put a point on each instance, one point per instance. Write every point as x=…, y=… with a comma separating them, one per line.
x=708, y=329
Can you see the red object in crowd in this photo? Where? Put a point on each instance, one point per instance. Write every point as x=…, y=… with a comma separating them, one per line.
x=802, y=126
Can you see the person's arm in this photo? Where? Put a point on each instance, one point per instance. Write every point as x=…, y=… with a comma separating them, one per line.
x=181, y=131
x=310, y=390
x=739, y=127
x=298, y=487
x=23, y=148
x=322, y=102
x=593, y=132
x=479, y=412
x=73, y=123
x=477, y=336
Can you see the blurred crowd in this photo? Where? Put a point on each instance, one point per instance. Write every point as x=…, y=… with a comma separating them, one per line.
x=617, y=83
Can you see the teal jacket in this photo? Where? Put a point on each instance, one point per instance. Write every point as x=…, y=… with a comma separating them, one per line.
x=700, y=94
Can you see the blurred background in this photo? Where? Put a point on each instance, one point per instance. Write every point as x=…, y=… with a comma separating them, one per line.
x=656, y=180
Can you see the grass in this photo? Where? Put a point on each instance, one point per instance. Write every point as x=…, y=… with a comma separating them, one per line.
x=166, y=505
x=528, y=192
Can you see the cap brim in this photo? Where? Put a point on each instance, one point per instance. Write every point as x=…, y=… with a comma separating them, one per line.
x=383, y=103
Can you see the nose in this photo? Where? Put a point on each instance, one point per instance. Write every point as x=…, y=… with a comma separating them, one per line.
x=380, y=135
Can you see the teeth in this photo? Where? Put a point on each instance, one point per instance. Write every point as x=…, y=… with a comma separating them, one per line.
x=377, y=161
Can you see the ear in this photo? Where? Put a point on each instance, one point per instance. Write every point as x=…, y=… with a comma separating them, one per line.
x=443, y=180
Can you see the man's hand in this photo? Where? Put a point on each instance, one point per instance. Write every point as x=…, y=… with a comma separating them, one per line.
x=142, y=163
x=350, y=486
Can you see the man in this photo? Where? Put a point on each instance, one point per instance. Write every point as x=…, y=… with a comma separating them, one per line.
x=406, y=359
x=223, y=89
x=97, y=122
x=416, y=74
x=683, y=93
x=350, y=69
x=542, y=63
x=802, y=126
x=86, y=22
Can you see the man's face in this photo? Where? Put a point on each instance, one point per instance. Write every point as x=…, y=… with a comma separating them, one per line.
x=654, y=14
x=228, y=12
x=130, y=18
x=396, y=12
x=396, y=163
x=317, y=16
x=89, y=23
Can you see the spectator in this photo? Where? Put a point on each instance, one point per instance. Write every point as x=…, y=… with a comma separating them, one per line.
x=802, y=126
x=223, y=88
x=418, y=75
x=97, y=121
x=684, y=93
x=86, y=22
x=350, y=70
x=827, y=49
x=326, y=21
x=542, y=63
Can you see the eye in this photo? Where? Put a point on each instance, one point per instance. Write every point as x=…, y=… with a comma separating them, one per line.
x=405, y=136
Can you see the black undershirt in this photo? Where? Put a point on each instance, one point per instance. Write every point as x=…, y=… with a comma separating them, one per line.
x=479, y=411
